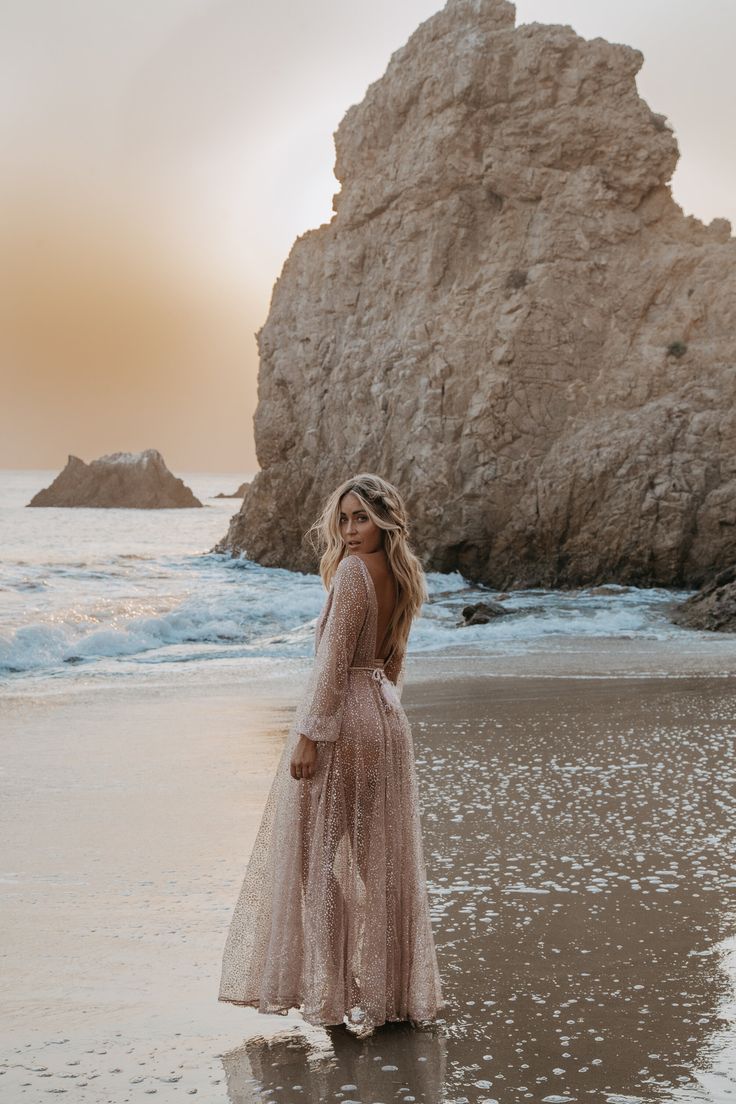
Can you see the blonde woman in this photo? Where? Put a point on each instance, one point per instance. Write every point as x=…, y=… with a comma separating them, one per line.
x=333, y=916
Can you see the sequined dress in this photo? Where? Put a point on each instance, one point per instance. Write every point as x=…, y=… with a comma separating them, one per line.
x=333, y=914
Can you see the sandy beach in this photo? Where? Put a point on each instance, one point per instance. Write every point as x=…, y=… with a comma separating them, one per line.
x=579, y=838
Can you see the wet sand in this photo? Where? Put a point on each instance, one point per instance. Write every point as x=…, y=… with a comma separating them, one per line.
x=579, y=837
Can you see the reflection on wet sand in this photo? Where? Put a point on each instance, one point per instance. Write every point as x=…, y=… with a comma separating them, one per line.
x=396, y=1062
x=580, y=850
x=579, y=836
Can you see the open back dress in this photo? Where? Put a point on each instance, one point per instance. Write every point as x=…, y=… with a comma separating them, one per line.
x=333, y=914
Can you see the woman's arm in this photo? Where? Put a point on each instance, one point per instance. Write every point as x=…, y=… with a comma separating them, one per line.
x=320, y=714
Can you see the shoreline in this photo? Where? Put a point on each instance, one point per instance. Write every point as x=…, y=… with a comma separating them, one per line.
x=129, y=812
x=582, y=657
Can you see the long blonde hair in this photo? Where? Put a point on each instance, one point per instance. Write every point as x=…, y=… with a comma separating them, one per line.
x=385, y=507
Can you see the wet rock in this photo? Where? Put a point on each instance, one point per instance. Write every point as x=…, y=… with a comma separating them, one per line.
x=135, y=480
x=509, y=316
x=607, y=590
x=480, y=613
x=713, y=607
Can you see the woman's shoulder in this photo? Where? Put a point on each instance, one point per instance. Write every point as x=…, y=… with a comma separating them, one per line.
x=349, y=586
x=349, y=574
x=348, y=564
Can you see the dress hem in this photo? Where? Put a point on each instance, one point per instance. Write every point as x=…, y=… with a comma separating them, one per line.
x=283, y=1010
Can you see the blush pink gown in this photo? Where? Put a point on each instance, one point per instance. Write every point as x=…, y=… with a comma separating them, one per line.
x=333, y=913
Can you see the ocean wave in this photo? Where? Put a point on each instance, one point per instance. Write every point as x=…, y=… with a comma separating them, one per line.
x=234, y=607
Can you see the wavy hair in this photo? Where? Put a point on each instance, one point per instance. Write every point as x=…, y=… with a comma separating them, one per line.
x=385, y=507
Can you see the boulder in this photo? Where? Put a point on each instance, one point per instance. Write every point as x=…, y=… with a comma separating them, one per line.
x=137, y=480
x=480, y=613
x=713, y=607
x=509, y=317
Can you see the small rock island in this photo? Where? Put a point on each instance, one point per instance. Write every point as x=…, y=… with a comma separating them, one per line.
x=132, y=480
x=240, y=493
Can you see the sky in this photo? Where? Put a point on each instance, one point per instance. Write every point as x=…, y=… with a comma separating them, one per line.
x=158, y=159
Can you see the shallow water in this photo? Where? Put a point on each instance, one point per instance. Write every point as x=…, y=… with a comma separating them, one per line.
x=590, y=875
x=579, y=837
x=581, y=858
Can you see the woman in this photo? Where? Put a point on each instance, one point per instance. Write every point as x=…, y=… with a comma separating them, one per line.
x=333, y=915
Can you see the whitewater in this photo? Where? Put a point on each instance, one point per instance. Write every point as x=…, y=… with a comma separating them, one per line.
x=108, y=594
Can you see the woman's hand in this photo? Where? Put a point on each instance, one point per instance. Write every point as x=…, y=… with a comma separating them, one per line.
x=304, y=759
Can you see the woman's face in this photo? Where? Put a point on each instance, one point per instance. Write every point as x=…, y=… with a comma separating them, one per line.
x=359, y=533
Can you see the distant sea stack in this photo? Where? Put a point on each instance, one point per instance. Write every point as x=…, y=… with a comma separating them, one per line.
x=510, y=318
x=137, y=480
x=240, y=493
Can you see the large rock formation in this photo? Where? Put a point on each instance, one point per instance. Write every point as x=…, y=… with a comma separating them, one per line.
x=137, y=480
x=511, y=318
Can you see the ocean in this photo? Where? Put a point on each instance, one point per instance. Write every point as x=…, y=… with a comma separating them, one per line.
x=90, y=595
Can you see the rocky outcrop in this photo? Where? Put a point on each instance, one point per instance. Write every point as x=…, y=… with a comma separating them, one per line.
x=713, y=607
x=510, y=318
x=139, y=480
x=240, y=493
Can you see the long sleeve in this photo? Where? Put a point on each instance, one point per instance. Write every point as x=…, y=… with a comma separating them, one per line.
x=320, y=713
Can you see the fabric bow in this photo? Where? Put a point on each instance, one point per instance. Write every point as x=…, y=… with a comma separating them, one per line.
x=387, y=688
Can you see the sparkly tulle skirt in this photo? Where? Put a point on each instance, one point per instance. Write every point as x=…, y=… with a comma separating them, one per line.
x=333, y=915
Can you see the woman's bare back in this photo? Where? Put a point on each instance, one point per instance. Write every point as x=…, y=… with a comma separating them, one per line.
x=386, y=592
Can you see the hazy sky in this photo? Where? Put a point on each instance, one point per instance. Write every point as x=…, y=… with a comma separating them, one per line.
x=159, y=158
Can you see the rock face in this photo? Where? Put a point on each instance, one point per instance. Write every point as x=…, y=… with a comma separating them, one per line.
x=510, y=318
x=713, y=607
x=139, y=480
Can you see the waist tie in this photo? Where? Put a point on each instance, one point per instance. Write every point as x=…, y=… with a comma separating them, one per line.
x=386, y=687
